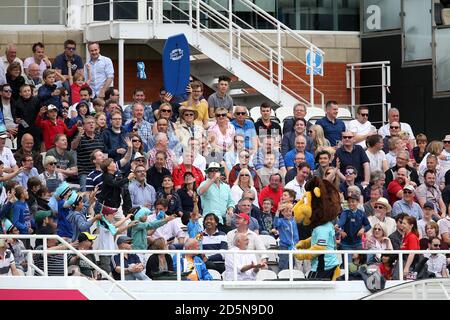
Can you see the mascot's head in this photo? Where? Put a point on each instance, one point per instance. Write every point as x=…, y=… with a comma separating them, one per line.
x=320, y=203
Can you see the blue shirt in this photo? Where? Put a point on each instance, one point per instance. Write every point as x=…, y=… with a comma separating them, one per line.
x=141, y=195
x=288, y=231
x=248, y=130
x=323, y=235
x=401, y=206
x=101, y=70
x=259, y=163
x=332, y=131
x=351, y=222
x=128, y=114
x=290, y=157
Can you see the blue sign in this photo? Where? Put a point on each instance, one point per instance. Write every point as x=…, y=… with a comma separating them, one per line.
x=176, y=64
x=317, y=65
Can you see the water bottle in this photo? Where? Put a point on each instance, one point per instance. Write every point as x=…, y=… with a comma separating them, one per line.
x=160, y=215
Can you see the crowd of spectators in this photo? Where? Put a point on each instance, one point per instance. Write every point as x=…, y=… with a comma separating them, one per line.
x=197, y=172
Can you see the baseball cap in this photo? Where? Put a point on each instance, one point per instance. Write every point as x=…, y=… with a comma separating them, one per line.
x=213, y=165
x=62, y=190
x=123, y=239
x=138, y=155
x=352, y=195
x=86, y=236
x=244, y=216
x=428, y=205
x=51, y=107
x=41, y=215
x=408, y=187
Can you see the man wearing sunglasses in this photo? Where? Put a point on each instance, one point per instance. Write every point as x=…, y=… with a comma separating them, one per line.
x=353, y=155
x=394, y=129
x=361, y=126
x=68, y=58
x=246, y=128
x=407, y=204
x=394, y=115
x=437, y=262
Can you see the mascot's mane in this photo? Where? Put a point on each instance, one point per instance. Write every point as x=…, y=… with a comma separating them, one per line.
x=326, y=207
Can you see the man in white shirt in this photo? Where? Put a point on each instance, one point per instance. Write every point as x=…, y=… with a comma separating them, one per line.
x=170, y=230
x=394, y=115
x=375, y=153
x=6, y=156
x=102, y=71
x=361, y=126
x=10, y=57
x=381, y=208
x=39, y=58
x=437, y=263
x=298, y=184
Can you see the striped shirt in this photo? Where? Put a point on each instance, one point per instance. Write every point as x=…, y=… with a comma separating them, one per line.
x=94, y=178
x=55, y=263
x=216, y=241
x=84, y=150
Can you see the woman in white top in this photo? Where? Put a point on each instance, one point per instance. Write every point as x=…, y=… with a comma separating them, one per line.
x=378, y=241
x=244, y=182
x=50, y=178
x=221, y=134
x=247, y=264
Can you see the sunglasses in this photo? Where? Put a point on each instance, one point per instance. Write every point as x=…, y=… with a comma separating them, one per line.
x=166, y=110
x=407, y=191
x=394, y=127
x=52, y=163
x=135, y=140
x=379, y=207
x=139, y=160
x=446, y=142
x=347, y=137
x=214, y=170
x=189, y=114
x=246, y=156
x=139, y=171
x=241, y=113
x=364, y=115
x=245, y=175
x=376, y=229
x=71, y=48
x=310, y=131
x=241, y=141
x=348, y=173
x=436, y=245
x=221, y=115
x=7, y=90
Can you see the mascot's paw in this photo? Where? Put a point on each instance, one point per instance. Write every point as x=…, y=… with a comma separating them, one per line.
x=303, y=244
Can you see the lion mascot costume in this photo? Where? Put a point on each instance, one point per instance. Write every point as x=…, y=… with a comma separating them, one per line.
x=319, y=206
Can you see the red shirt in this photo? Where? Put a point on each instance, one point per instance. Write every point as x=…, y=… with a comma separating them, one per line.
x=267, y=192
x=179, y=172
x=393, y=188
x=50, y=130
x=75, y=92
x=410, y=242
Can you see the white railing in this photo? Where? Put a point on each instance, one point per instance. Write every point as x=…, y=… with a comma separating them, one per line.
x=236, y=36
x=70, y=250
x=179, y=253
x=354, y=71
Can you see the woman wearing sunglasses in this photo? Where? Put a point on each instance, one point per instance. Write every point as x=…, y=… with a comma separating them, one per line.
x=220, y=134
x=50, y=178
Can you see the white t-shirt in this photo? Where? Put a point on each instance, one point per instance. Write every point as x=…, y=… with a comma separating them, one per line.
x=376, y=160
x=30, y=60
x=169, y=230
x=384, y=130
x=8, y=158
x=105, y=239
x=236, y=194
x=359, y=129
x=436, y=263
x=299, y=189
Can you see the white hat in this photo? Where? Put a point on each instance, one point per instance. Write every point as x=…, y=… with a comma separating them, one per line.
x=138, y=155
x=3, y=135
x=384, y=202
x=213, y=165
x=51, y=107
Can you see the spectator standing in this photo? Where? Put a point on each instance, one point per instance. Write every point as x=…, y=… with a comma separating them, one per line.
x=332, y=126
x=84, y=143
x=102, y=70
x=410, y=242
x=221, y=98
x=114, y=137
x=68, y=59
x=38, y=57
x=26, y=110
x=353, y=155
x=287, y=231
x=142, y=194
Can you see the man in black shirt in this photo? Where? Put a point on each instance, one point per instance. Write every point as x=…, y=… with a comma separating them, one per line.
x=157, y=172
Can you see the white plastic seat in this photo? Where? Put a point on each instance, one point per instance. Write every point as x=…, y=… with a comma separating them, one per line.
x=266, y=275
x=296, y=274
x=314, y=113
x=344, y=113
x=284, y=112
x=215, y=274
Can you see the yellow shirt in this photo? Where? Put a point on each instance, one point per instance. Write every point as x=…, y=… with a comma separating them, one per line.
x=189, y=265
x=202, y=109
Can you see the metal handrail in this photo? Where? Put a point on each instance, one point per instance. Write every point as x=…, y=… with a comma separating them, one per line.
x=272, y=50
x=79, y=253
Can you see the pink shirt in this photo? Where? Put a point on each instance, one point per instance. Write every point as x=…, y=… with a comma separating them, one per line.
x=223, y=139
